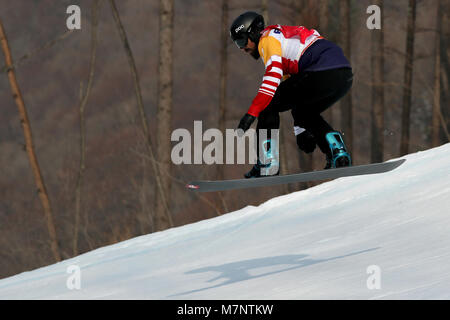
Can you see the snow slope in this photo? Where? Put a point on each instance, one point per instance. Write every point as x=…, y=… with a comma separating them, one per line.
x=313, y=244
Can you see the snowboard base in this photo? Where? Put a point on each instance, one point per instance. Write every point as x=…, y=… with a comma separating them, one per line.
x=221, y=185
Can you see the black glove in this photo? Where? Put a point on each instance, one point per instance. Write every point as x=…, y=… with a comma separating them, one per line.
x=245, y=123
x=306, y=142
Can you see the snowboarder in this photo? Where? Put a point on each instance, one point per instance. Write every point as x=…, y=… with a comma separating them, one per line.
x=304, y=73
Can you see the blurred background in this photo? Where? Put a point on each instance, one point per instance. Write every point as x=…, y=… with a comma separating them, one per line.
x=102, y=102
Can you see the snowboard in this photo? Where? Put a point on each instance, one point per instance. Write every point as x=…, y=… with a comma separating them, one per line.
x=221, y=185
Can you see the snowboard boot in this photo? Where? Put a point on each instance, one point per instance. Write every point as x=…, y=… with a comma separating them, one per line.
x=271, y=166
x=258, y=171
x=337, y=157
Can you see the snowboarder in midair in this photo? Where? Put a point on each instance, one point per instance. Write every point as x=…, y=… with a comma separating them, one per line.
x=304, y=73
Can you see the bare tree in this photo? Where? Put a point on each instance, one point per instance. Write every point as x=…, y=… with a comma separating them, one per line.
x=26, y=126
x=33, y=53
x=164, y=114
x=323, y=16
x=377, y=61
x=407, y=81
x=445, y=47
x=346, y=101
x=435, y=124
x=223, y=76
x=265, y=11
x=83, y=101
x=445, y=67
x=156, y=169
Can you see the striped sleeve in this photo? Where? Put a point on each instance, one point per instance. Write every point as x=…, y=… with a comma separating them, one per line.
x=271, y=81
x=271, y=55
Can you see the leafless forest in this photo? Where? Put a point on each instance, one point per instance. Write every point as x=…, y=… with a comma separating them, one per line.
x=86, y=115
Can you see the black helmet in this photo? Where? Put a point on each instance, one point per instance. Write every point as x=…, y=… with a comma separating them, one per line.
x=247, y=25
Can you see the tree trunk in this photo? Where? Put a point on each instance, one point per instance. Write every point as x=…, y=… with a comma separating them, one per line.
x=435, y=124
x=224, y=38
x=284, y=153
x=347, y=101
x=306, y=165
x=323, y=16
x=444, y=45
x=41, y=189
x=164, y=113
x=407, y=82
x=377, y=60
x=265, y=11
x=83, y=101
x=445, y=69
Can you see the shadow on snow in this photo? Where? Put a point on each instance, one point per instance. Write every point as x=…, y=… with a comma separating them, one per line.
x=239, y=271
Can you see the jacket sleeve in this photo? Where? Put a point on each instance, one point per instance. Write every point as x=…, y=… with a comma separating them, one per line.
x=270, y=51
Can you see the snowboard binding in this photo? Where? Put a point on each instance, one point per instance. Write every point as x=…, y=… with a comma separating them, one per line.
x=260, y=170
x=338, y=157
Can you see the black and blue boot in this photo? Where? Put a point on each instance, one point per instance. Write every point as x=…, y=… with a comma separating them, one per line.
x=271, y=165
x=338, y=156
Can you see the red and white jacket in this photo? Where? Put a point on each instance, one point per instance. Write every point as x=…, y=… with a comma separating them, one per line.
x=280, y=48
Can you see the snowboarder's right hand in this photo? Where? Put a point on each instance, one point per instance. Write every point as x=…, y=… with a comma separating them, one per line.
x=245, y=124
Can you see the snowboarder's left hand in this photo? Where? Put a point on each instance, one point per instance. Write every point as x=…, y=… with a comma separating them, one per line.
x=245, y=124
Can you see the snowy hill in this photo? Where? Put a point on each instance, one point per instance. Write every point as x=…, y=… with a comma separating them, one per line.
x=338, y=240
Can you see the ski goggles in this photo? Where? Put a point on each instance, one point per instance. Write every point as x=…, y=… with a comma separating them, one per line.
x=242, y=41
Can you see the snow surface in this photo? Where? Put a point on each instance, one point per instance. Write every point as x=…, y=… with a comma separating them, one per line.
x=312, y=244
